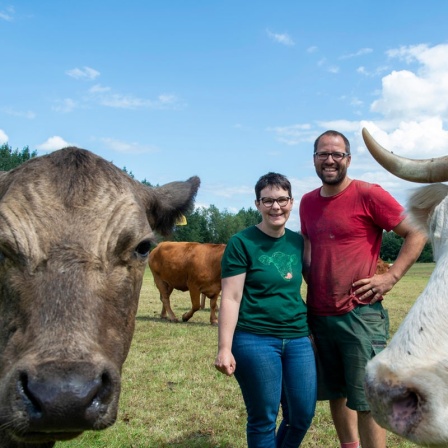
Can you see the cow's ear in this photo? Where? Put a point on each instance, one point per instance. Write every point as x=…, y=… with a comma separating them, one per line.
x=422, y=203
x=165, y=205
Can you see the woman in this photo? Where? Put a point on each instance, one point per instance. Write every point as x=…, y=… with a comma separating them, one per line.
x=263, y=331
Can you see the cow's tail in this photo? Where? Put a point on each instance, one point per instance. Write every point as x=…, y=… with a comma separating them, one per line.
x=203, y=297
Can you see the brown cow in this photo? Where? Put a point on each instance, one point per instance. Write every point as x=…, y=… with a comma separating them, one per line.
x=381, y=266
x=195, y=267
x=75, y=235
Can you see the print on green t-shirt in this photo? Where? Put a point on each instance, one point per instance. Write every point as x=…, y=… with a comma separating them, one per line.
x=283, y=263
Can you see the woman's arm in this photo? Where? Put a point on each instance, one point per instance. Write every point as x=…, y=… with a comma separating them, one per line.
x=306, y=262
x=231, y=295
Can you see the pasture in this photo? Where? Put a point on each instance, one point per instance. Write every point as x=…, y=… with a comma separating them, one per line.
x=172, y=396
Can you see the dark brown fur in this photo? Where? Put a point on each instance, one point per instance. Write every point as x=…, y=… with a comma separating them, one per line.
x=75, y=233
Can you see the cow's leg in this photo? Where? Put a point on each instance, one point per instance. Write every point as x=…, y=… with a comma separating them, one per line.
x=203, y=297
x=195, y=296
x=213, y=309
x=165, y=291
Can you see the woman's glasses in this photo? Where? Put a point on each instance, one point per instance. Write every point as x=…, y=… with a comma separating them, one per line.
x=269, y=202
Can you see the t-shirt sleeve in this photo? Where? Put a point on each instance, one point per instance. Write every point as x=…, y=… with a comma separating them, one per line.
x=235, y=259
x=386, y=210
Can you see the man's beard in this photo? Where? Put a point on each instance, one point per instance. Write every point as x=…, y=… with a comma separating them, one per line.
x=341, y=174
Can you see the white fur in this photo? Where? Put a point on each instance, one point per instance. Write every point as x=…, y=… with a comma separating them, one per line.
x=417, y=357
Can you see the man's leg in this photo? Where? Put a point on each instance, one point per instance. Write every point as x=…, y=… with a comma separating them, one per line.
x=372, y=435
x=345, y=421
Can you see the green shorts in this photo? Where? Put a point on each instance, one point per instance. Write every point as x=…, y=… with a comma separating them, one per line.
x=344, y=346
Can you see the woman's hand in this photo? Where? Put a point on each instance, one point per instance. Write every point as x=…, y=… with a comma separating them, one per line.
x=225, y=362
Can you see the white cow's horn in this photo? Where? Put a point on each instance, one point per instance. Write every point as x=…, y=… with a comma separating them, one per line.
x=423, y=171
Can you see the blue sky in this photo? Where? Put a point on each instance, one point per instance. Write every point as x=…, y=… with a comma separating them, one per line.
x=227, y=90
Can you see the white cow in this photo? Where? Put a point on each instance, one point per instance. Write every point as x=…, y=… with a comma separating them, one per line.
x=407, y=383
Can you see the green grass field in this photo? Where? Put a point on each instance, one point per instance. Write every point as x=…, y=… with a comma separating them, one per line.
x=172, y=396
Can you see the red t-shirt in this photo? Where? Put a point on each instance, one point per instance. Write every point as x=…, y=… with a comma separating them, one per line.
x=345, y=232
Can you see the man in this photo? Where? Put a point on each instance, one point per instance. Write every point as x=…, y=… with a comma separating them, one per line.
x=342, y=224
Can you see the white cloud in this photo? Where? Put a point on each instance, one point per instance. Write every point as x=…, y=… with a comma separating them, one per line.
x=356, y=102
x=378, y=71
x=7, y=14
x=283, y=39
x=98, y=88
x=65, y=105
x=53, y=143
x=86, y=73
x=360, y=52
x=3, y=137
x=321, y=62
x=293, y=134
x=412, y=109
x=105, y=97
x=329, y=68
x=413, y=139
x=128, y=148
x=18, y=113
x=408, y=95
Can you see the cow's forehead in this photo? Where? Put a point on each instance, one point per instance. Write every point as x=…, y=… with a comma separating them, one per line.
x=47, y=219
x=92, y=207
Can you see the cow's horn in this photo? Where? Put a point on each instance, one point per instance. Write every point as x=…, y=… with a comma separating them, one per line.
x=423, y=171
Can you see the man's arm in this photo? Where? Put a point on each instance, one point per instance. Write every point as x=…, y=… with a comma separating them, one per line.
x=373, y=288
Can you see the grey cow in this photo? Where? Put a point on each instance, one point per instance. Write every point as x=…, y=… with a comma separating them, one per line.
x=75, y=234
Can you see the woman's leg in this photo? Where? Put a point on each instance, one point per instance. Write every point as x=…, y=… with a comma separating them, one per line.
x=299, y=392
x=259, y=375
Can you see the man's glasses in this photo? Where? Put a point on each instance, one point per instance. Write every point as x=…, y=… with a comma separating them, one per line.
x=337, y=156
x=269, y=202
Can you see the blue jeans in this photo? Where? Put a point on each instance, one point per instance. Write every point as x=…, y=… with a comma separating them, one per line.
x=272, y=371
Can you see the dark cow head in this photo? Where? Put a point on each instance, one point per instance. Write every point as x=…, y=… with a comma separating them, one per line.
x=75, y=233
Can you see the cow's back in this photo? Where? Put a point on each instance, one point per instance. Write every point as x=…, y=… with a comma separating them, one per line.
x=182, y=263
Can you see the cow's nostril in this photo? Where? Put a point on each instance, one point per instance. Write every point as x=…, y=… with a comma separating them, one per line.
x=32, y=402
x=105, y=390
x=406, y=405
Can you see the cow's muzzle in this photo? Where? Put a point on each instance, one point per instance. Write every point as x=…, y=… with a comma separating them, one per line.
x=396, y=408
x=58, y=401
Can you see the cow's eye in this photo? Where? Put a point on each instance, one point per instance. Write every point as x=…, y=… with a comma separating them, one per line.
x=142, y=250
x=2, y=256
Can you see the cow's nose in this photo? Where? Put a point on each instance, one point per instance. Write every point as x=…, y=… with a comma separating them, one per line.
x=66, y=398
x=395, y=406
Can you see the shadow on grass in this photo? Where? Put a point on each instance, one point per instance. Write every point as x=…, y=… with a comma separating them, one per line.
x=196, y=440
x=159, y=320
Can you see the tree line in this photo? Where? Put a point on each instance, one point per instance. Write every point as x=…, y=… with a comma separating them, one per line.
x=211, y=225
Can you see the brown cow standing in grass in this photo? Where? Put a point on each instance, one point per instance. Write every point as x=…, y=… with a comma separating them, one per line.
x=75, y=235
x=195, y=267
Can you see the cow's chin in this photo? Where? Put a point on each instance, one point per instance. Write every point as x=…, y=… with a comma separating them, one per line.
x=409, y=402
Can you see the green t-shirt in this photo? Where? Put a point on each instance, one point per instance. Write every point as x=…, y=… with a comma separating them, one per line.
x=271, y=302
